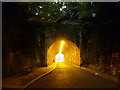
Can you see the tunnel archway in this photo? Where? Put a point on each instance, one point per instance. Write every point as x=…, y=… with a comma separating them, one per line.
x=70, y=51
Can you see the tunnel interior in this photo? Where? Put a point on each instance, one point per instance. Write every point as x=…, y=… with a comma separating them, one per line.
x=63, y=50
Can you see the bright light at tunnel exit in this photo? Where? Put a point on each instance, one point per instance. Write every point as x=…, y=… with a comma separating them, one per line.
x=59, y=57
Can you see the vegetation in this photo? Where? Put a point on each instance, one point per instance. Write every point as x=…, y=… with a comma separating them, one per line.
x=96, y=24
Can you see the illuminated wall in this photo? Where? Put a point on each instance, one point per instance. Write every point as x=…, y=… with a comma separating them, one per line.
x=70, y=50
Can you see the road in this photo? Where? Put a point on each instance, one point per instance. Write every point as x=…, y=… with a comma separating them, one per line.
x=69, y=76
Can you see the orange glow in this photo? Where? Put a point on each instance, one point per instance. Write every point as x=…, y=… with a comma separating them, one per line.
x=61, y=46
x=70, y=51
x=62, y=42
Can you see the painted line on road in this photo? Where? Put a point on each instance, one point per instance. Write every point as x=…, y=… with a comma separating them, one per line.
x=34, y=80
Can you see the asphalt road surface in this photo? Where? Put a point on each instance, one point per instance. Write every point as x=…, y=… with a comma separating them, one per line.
x=68, y=76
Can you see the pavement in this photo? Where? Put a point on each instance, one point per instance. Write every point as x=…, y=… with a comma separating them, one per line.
x=23, y=81
x=104, y=75
x=68, y=76
x=101, y=74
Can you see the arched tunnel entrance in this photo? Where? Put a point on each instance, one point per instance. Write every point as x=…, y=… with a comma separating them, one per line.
x=63, y=50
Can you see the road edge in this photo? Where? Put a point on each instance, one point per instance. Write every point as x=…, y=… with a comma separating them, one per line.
x=34, y=80
x=104, y=75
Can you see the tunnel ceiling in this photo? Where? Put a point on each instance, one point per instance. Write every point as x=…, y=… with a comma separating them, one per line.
x=70, y=50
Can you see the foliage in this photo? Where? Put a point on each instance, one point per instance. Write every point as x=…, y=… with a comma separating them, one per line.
x=96, y=23
x=43, y=12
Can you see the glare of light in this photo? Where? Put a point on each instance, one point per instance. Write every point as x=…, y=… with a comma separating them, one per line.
x=61, y=46
x=48, y=14
x=91, y=3
x=59, y=57
x=36, y=13
x=40, y=7
x=63, y=7
x=62, y=42
x=96, y=73
x=56, y=1
x=60, y=9
x=93, y=14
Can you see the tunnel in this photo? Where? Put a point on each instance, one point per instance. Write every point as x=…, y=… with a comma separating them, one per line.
x=63, y=50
